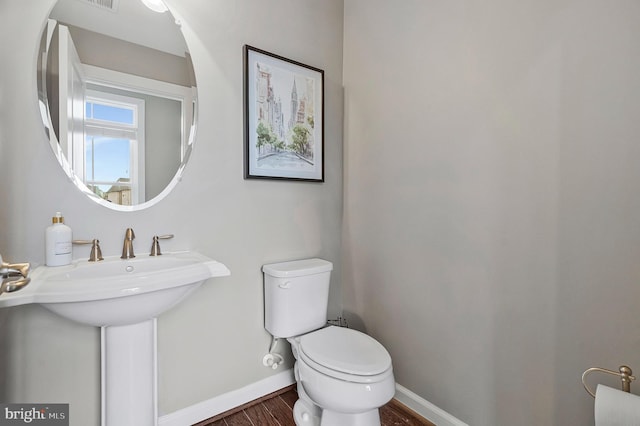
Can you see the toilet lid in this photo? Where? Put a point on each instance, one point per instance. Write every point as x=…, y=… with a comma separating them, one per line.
x=345, y=350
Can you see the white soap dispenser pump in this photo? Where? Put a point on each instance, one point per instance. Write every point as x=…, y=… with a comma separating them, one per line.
x=57, y=242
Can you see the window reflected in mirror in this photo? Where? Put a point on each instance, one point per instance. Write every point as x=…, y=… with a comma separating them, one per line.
x=113, y=135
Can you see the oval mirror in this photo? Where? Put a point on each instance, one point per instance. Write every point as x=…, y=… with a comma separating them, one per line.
x=117, y=95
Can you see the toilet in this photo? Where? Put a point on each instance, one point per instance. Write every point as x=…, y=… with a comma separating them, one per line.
x=343, y=376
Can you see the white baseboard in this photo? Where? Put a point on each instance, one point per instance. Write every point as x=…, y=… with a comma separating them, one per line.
x=434, y=414
x=225, y=402
x=219, y=404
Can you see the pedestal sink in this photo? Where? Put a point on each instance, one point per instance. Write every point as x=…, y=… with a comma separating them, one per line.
x=124, y=298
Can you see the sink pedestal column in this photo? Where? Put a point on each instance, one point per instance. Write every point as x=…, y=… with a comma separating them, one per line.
x=129, y=375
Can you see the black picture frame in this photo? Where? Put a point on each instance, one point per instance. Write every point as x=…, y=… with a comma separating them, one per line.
x=283, y=118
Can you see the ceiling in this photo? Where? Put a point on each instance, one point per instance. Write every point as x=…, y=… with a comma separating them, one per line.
x=129, y=20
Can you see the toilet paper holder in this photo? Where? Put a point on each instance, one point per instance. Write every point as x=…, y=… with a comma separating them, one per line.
x=623, y=372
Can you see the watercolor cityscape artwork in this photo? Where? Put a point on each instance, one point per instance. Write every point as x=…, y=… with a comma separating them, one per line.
x=283, y=118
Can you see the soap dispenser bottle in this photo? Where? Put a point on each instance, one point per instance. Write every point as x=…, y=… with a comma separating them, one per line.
x=57, y=242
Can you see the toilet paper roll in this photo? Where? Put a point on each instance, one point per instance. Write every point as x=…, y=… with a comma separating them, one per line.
x=616, y=408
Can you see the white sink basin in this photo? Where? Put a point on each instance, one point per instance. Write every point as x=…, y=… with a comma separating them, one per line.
x=123, y=297
x=116, y=291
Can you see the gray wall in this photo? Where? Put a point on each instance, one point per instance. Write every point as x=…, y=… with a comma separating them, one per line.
x=214, y=341
x=110, y=53
x=163, y=131
x=492, y=203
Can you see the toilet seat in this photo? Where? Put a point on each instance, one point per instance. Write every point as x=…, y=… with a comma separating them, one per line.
x=345, y=354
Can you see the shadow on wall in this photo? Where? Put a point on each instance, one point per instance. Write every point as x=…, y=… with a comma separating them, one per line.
x=355, y=321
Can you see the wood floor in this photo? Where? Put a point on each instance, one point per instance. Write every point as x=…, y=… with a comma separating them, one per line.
x=276, y=409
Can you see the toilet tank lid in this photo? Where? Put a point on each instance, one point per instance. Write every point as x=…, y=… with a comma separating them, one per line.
x=297, y=268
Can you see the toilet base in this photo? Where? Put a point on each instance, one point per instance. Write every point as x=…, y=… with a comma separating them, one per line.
x=305, y=415
x=332, y=418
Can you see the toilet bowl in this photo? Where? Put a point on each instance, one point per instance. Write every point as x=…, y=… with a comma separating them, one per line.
x=343, y=376
x=346, y=373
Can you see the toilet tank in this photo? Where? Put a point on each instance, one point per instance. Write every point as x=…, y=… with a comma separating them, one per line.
x=296, y=295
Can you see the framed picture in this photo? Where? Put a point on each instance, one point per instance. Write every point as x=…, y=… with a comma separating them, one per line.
x=283, y=118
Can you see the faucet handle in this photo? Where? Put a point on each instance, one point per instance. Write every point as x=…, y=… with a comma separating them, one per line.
x=96, y=252
x=155, y=246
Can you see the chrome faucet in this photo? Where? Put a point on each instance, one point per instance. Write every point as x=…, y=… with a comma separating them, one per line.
x=127, y=248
